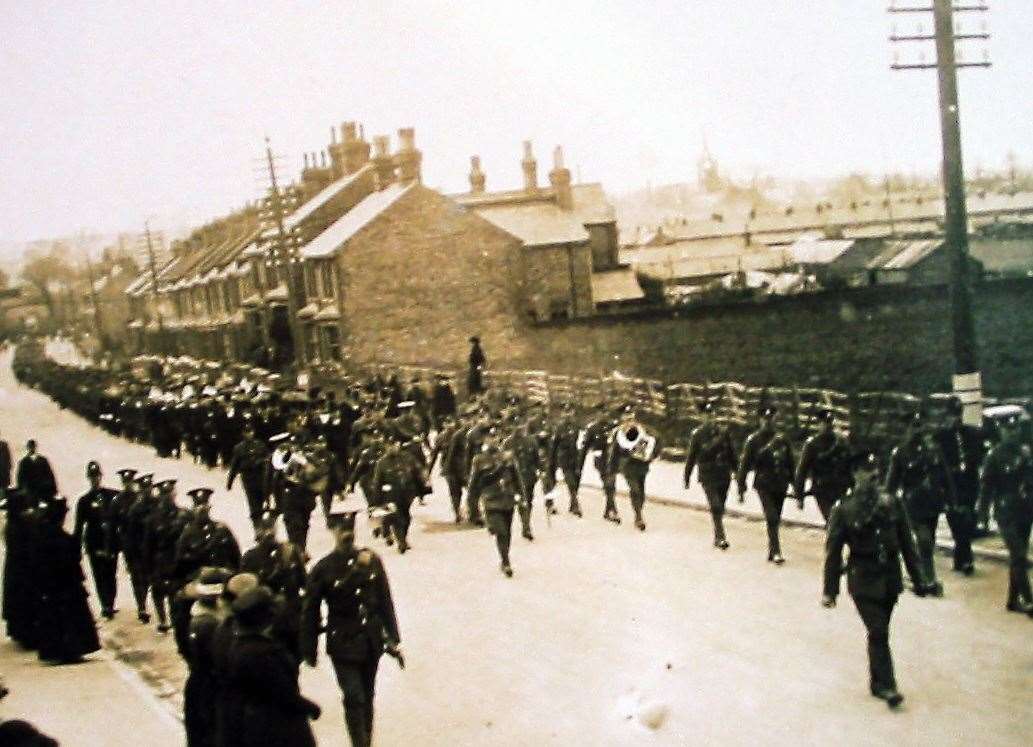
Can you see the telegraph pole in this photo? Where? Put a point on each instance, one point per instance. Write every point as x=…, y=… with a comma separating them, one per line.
x=286, y=254
x=967, y=382
x=154, y=284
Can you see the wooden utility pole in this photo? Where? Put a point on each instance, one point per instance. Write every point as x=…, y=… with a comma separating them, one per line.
x=285, y=255
x=154, y=285
x=967, y=379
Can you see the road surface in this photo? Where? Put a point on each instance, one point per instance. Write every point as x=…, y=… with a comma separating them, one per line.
x=602, y=625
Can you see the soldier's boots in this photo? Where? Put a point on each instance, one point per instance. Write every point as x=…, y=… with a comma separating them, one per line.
x=575, y=508
x=890, y=695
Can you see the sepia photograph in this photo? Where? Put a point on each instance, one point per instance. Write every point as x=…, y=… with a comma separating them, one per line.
x=510, y=373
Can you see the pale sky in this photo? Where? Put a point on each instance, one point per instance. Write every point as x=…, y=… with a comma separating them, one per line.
x=116, y=111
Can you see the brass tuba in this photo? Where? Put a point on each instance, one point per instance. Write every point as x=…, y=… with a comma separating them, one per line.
x=633, y=438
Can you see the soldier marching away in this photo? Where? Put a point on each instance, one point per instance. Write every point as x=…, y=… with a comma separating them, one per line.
x=825, y=460
x=710, y=448
x=873, y=524
x=1007, y=485
x=769, y=455
x=96, y=531
x=360, y=625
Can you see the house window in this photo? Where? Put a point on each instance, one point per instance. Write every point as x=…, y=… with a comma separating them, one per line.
x=329, y=280
x=312, y=342
x=332, y=342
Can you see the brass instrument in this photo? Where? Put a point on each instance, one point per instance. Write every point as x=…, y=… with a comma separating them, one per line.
x=633, y=438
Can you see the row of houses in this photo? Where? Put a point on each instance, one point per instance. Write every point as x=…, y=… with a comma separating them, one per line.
x=359, y=250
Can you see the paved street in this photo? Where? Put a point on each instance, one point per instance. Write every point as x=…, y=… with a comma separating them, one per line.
x=599, y=624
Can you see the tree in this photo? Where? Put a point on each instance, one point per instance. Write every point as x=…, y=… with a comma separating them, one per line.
x=4, y=280
x=46, y=272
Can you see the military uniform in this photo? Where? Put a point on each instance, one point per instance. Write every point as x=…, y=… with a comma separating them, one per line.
x=874, y=525
x=495, y=481
x=598, y=434
x=453, y=476
x=710, y=448
x=133, y=509
x=360, y=626
x=623, y=460
x=1007, y=485
x=964, y=449
x=824, y=459
x=250, y=460
x=564, y=456
x=96, y=531
x=398, y=479
x=164, y=525
x=919, y=474
x=769, y=455
x=281, y=567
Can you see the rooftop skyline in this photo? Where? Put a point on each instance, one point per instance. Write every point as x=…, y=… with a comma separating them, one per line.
x=115, y=114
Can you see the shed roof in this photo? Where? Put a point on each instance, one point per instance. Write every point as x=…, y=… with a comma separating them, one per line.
x=615, y=286
x=903, y=255
x=811, y=252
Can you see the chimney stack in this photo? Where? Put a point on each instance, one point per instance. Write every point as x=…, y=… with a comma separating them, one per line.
x=476, y=176
x=383, y=163
x=355, y=148
x=559, y=177
x=408, y=158
x=530, y=167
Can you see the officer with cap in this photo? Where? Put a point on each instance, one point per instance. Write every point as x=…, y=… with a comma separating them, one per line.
x=622, y=459
x=598, y=434
x=1007, y=485
x=710, y=448
x=918, y=473
x=204, y=541
x=360, y=624
x=95, y=530
x=398, y=479
x=825, y=460
x=964, y=448
x=769, y=455
x=135, y=507
x=873, y=524
x=448, y=426
x=165, y=524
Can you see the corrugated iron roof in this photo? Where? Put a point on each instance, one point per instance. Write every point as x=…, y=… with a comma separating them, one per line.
x=903, y=255
x=340, y=232
x=616, y=285
x=823, y=252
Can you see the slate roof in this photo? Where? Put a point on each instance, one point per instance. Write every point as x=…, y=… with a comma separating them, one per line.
x=342, y=230
x=323, y=196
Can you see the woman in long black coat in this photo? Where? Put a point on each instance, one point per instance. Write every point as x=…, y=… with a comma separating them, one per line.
x=66, y=630
x=19, y=607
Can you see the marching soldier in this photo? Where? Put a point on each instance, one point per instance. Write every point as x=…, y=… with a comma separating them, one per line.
x=825, y=459
x=281, y=567
x=631, y=452
x=134, y=506
x=710, y=447
x=769, y=455
x=495, y=482
x=964, y=448
x=564, y=454
x=95, y=530
x=443, y=399
x=203, y=541
x=597, y=437
x=250, y=460
x=360, y=624
x=397, y=479
x=919, y=474
x=165, y=524
x=1007, y=485
x=874, y=525
x=524, y=448
x=450, y=470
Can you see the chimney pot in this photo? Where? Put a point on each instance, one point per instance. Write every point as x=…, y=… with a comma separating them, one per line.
x=476, y=175
x=322, y=158
x=381, y=146
x=530, y=167
x=348, y=132
x=333, y=135
x=406, y=139
x=306, y=162
x=559, y=178
x=383, y=163
x=557, y=157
